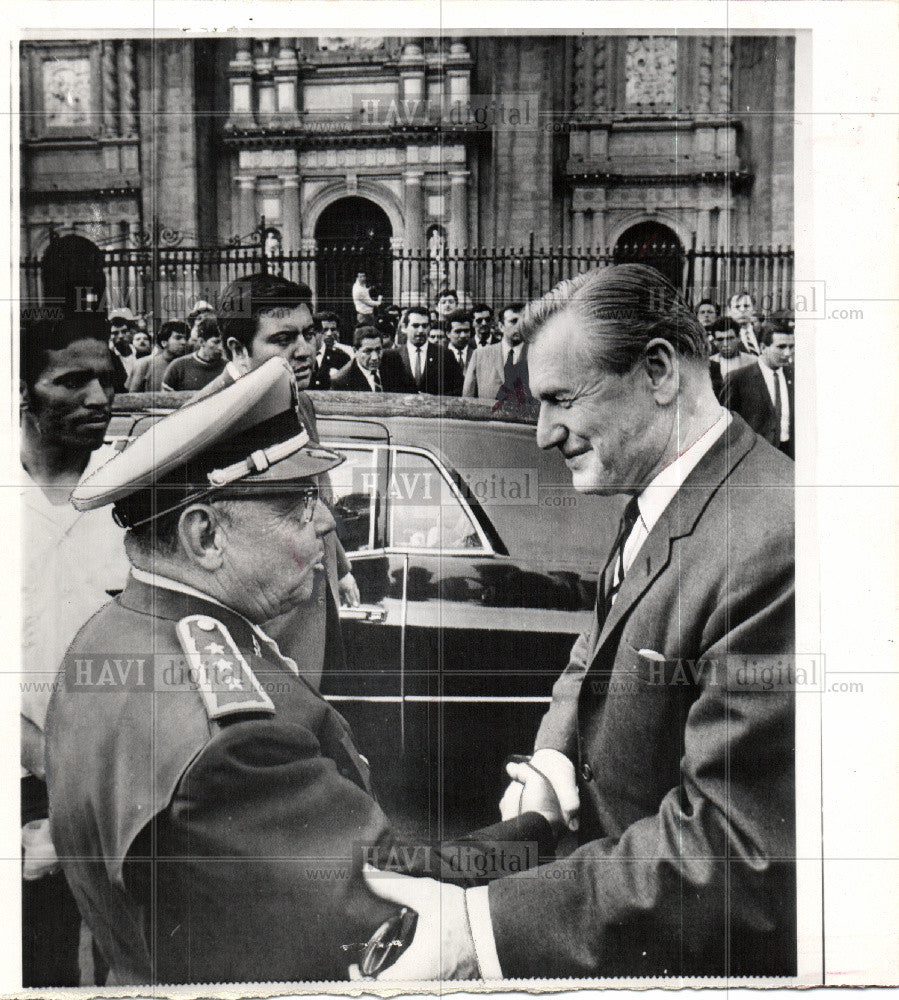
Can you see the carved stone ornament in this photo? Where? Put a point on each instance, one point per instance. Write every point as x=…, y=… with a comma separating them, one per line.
x=651, y=70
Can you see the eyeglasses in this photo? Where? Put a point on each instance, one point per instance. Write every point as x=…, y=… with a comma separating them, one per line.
x=286, y=500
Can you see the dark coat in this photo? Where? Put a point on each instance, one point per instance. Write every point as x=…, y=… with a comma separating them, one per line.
x=393, y=376
x=745, y=393
x=442, y=374
x=681, y=764
x=213, y=832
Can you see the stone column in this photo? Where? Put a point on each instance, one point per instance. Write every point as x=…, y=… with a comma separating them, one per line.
x=240, y=72
x=400, y=294
x=246, y=212
x=290, y=211
x=110, y=89
x=458, y=221
x=577, y=228
x=286, y=69
x=412, y=73
x=127, y=89
x=414, y=236
x=458, y=73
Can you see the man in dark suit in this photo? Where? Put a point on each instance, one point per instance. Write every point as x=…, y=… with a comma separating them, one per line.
x=374, y=369
x=669, y=742
x=762, y=392
x=430, y=366
x=459, y=332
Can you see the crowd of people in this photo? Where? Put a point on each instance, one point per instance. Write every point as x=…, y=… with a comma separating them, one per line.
x=242, y=786
x=449, y=349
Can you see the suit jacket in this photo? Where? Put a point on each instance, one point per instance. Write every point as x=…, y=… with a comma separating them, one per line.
x=393, y=376
x=685, y=768
x=213, y=831
x=486, y=375
x=442, y=375
x=466, y=357
x=746, y=393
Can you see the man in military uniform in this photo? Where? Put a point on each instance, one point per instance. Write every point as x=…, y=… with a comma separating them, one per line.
x=207, y=804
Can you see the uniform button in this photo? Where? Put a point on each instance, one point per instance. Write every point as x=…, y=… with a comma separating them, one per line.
x=586, y=772
x=206, y=624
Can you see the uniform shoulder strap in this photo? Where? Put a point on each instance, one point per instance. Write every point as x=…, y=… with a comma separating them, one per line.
x=223, y=677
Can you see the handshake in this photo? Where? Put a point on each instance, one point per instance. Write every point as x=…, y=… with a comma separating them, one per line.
x=544, y=783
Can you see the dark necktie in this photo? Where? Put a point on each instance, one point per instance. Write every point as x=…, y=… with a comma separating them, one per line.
x=376, y=378
x=417, y=372
x=612, y=575
x=778, y=404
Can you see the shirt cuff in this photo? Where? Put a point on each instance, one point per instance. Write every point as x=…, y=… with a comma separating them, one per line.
x=477, y=904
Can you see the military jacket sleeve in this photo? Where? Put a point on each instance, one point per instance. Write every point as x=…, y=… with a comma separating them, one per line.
x=268, y=835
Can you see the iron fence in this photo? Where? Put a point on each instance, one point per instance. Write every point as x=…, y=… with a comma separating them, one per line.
x=165, y=282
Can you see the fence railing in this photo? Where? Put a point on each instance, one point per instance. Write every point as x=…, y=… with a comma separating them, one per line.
x=165, y=282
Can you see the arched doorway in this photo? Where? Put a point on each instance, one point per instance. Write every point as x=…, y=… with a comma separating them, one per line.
x=655, y=245
x=352, y=235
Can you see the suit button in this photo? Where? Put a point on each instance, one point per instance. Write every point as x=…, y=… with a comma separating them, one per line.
x=586, y=772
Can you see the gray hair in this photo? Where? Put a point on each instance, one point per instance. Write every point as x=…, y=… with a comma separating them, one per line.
x=623, y=308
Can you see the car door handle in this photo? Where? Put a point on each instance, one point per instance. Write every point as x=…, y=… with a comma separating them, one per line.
x=375, y=613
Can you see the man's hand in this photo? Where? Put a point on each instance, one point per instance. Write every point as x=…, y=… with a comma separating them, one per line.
x=348, y=590
x=442, y=947
x=545, y=784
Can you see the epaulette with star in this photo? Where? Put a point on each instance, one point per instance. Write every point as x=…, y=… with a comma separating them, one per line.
x=225, y=681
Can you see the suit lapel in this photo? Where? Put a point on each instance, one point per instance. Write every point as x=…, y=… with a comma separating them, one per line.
x=678, y=520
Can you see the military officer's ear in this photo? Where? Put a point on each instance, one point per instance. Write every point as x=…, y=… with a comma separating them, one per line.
x=201, y=537
x=660, y=364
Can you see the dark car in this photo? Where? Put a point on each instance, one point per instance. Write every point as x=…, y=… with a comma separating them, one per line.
x=476, y=564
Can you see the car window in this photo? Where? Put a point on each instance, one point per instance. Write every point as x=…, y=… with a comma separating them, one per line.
x=356, y=499
x=425, y=512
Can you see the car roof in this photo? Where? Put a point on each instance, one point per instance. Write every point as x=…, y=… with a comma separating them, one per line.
x=486, y=451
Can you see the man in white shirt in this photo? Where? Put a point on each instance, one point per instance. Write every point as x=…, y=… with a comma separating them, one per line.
x=70, y=561
x=362, y=300
x=674, y=769
x=762, y=393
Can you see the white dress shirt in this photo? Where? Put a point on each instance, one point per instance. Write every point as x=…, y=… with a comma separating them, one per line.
x=651, y=504
x=412, y=350
x=770, y=374
x=516, y=352
x=368, y=377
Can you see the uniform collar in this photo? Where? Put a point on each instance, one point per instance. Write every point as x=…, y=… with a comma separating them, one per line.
x=159, y=582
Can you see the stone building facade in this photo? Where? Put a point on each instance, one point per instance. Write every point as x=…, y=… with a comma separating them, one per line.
x=441, y=143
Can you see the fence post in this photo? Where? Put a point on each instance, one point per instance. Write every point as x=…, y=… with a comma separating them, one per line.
x=531, y=269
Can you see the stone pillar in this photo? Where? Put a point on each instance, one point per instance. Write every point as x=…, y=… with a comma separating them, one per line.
x=240, y=73
x=127, y=89
x=458, y=221
x=290, y=211
x=110, y=89
x=577, y=227
x=414, y=237
x=246, y=211
x=458, y=73
x=265, y=83
x=412, y=73
x=286, y=69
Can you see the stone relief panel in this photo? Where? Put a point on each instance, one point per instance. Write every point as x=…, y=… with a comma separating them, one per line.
x=650, y=70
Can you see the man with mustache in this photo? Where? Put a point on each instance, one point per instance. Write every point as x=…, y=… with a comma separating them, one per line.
x=70, y=561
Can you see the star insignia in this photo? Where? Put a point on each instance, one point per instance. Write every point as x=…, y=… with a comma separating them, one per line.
x=214, y=648
x=234, y=684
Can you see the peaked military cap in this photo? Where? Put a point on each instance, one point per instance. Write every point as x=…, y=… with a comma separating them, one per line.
x=246, y=439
